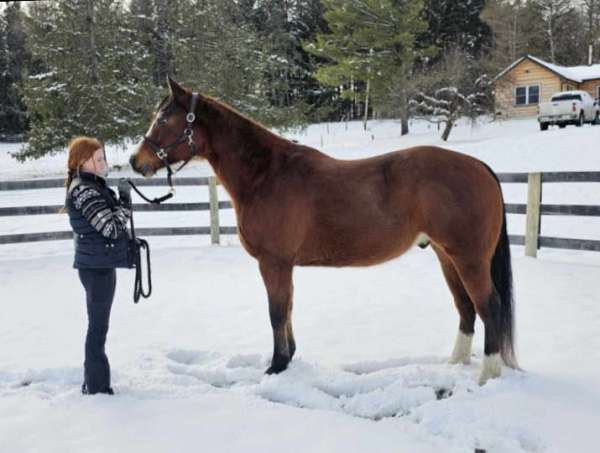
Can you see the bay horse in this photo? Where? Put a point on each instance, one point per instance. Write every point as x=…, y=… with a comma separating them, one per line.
x=296, y=206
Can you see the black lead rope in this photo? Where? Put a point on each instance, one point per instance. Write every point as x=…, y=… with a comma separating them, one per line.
x=157, y=200
x=137, y=244
x=138, y=288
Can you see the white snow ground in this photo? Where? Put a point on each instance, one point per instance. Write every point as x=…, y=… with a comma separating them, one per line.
x=370, y=371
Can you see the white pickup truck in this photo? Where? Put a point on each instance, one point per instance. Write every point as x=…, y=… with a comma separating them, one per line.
x=569, y=107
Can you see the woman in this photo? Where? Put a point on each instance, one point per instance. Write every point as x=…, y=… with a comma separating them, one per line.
x=99, y=223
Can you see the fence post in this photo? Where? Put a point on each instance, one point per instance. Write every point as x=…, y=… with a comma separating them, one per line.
x=534, y=200
x=214, y=209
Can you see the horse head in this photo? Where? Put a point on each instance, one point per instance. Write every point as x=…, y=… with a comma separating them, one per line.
x=176, y=133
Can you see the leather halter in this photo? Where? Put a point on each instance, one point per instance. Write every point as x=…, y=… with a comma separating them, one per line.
x=162, y=152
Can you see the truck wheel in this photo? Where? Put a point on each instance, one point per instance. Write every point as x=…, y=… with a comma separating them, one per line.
x=562, y=125
x=597, y=119
x=580, y=121
x=543, y=126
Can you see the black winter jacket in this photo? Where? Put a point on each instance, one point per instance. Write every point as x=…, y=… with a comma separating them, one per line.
x=99, y=223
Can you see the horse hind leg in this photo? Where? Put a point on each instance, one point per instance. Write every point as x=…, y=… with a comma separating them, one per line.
x=466, y=328
x=478, y=283
x=277, y=277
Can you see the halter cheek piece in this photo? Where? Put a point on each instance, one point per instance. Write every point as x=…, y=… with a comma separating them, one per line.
x=162, y=152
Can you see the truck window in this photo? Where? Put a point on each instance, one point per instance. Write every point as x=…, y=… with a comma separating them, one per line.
x=566, y=97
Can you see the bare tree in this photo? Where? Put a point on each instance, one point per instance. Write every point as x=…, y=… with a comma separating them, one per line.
x=591, y=12
x=554, y=12
x=450, y=92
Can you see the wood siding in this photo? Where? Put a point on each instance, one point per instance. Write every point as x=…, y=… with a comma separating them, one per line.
x=592, y=87
x=525, y=73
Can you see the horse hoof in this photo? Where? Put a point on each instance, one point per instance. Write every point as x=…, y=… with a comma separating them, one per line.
x=277, y=366
x=275, y=369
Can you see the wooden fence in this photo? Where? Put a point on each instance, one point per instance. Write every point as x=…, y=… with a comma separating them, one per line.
x=213, y=205
x=534, y=209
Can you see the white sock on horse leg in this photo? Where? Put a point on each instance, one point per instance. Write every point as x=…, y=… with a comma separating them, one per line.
x=462, y=349
x=492, y=368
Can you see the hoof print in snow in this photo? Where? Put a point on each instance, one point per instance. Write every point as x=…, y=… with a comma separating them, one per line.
x=442, y=393
x=241, y=361
x=188, y=357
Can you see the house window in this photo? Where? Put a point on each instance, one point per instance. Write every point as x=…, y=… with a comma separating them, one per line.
x=527, y=95
x=521, y=96
x=534, y=94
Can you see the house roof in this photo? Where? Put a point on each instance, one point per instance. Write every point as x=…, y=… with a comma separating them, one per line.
x=575, y=73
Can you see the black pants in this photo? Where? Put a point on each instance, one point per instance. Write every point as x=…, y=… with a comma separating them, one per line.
x=99, y=287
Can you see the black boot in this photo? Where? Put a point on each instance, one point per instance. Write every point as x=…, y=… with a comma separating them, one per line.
x=107, y=390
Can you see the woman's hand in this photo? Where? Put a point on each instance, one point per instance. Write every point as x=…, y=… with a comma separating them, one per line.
x=124, y=193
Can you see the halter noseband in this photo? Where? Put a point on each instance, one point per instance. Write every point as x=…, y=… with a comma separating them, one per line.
x=162, y=152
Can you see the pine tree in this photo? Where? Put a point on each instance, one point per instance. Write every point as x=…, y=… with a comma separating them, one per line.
x=13, y=59
x=281, y=26
x=86, y=80
x=373, y=41
x=219, y=55
x=456, y=24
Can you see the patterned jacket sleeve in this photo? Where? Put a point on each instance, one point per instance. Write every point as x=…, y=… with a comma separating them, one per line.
x=110, y=223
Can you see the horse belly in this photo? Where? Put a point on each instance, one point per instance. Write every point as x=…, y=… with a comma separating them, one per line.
x=352, y=248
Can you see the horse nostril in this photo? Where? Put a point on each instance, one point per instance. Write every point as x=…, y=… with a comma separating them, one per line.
x=132, y=161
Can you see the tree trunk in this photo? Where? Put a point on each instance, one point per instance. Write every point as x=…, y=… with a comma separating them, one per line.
x=163, y=50
x=366, y=105
x=404, y=123
x=551, y=41
x=447, y=129
x=92, y=42
x=353, y=102
x=403, y=113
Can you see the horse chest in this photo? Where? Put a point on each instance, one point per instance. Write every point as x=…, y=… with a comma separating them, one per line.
x=255, y=231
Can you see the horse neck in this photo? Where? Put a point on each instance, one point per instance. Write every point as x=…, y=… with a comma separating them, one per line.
x=242, y=154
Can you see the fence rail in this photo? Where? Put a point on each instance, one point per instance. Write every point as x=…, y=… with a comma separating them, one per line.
x=213, y=205
x=534, y=209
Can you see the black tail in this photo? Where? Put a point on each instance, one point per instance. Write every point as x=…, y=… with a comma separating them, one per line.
x=502, y=278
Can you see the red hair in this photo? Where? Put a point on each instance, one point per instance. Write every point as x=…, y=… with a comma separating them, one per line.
x=80, y=150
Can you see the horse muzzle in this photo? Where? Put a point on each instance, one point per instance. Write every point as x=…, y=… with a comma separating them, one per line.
x=145, y=169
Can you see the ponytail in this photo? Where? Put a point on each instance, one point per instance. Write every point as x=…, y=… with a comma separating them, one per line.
x=69, y=180
x=80, y=150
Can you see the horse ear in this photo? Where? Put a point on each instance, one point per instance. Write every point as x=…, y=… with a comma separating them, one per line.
x=176, y=90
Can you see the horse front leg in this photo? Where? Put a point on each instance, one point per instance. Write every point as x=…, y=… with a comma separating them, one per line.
x=277, y=276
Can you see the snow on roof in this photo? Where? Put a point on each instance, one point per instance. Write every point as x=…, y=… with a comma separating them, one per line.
x=574, y=73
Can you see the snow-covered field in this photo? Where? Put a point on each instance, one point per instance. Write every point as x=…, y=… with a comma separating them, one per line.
x=370, y=371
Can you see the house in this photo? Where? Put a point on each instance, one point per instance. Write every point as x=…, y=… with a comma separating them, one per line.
x=530, y=80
